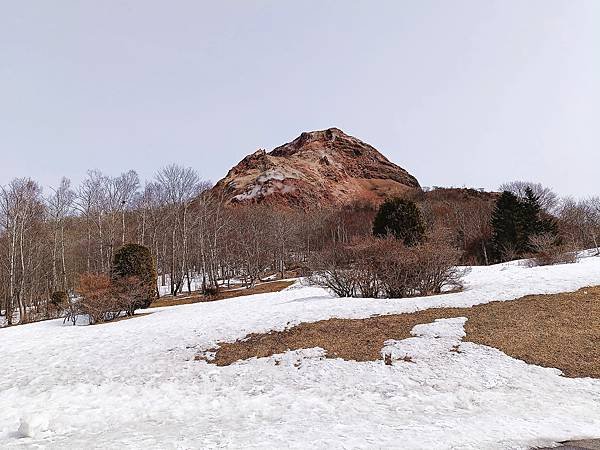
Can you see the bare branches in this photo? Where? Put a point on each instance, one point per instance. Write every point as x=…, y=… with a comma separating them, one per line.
x=60, y=206
x=548, y=250
x=197, y=243
x=547, y=198
x=387, y=268
x=181, y=185
x=21, y=209
x=580, y=222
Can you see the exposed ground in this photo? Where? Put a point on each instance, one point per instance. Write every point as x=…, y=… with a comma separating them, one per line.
x=586, y=444
x=561, y=330
x=261, y=288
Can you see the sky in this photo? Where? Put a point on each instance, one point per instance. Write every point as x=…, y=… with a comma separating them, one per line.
x=460, y=93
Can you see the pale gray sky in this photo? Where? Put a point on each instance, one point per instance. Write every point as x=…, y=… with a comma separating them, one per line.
x=457, y=92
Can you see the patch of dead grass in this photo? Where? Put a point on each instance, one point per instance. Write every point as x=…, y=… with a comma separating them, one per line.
x=261, y=288
x=121, y=318
x=561, y=330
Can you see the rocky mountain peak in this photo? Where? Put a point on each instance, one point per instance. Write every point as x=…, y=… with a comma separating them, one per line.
x=318, y=168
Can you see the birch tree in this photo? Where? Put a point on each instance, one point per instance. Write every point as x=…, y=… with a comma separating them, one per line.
x=181, y=185
x=60, y=206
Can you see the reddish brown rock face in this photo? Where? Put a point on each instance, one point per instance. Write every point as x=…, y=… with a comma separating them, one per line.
x=319, y=168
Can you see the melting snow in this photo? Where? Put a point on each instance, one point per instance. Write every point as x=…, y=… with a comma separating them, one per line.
x=262, y=188
x=135, y=383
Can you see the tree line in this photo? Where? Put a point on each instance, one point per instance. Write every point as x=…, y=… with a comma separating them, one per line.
x=48, y=240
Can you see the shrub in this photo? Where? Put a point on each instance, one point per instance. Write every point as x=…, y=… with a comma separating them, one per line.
x=135, y=261
x=437, y=263
x=97, y=299
x=129, y=293
x=332, y=269
x=425, y=269
x=387, y=268
x=549, y=250
x=102, y=299
x=59, y=299
x=401, y=219
x=397, y=269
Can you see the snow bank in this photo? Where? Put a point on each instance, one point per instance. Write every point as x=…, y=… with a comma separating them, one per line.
x=135, y=383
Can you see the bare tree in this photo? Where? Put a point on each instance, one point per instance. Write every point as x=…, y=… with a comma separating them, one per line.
x=547, y=197
x=126, y=186
x=579, y=222
x=60, y=205
x=549, y=250
x=21, y=208
x=181, y=186
x=91, y=203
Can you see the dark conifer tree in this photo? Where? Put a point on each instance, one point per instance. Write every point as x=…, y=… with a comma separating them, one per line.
x=506, y=224
x=515, y=221
x=401, y=219
x=535, y=220
x=134, y=260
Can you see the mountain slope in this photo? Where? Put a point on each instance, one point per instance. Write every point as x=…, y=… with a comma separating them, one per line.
x=319, y=168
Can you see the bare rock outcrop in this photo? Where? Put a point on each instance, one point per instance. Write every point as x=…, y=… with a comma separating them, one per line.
x=319, y=168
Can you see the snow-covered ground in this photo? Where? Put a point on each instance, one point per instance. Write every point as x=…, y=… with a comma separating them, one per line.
x=196, y=284
x=135, y=383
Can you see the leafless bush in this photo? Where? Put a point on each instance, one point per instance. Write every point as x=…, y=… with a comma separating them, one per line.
x=548, y=251
x=509, y=252
x=97, y=300
x=426, y=269
x=101, y=299
x=397, y=269
x=365, y=257
x=579, y=222
x=387, y=268
x=333, y=269
x=129, y=293
x=437, y=263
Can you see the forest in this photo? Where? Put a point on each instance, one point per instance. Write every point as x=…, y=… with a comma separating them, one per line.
x=50, y=239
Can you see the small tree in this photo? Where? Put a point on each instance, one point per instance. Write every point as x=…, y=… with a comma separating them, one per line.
x=515, y=221
x=134, y=261
x=507, y=226
x=535, y=220
x=399, y=218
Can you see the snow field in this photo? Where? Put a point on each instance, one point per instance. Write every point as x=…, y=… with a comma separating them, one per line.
x=135, y=383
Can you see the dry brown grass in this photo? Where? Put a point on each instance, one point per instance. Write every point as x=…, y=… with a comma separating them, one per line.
x=261, y=288
x=120, y=319
x=561, y=331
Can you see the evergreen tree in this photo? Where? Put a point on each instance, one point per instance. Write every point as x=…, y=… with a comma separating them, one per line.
x=506, y=225
x=535, y=219
x=401, y=219
x=134, y=260
x=515, y=221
